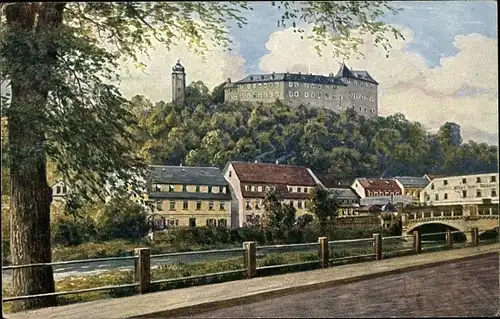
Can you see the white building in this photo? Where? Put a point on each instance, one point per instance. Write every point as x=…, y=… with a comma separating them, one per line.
x=461, y=190
x=59, y=191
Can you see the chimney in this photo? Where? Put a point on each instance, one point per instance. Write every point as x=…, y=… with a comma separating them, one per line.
x=277, y=162
x=228, y=80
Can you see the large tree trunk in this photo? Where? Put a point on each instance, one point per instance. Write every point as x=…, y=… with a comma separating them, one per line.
x=30, y=195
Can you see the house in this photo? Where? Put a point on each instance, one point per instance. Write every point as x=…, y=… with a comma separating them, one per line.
x=373, y=187
x=189, y=196
x=461, y=190
x=412, y=186
x=347, y=200
x=249, y=183
x=59, y=191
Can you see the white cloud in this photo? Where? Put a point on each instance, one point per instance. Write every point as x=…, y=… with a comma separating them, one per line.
x=462, y=89
x=155, y=81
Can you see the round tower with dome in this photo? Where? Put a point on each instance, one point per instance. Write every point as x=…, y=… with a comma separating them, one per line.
x=178, y=83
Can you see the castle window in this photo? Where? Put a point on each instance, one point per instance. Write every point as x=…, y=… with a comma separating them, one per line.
x=265, y=94
x=277, y=94
x=277, y=84
x=306, y=85
x=306, y=94
x=327, y=87
x=319, y=95
x=255, y=95
x=334, y=87
x=260, y=85
x=320, y=86
x=445, y=195
x=327, y=97
x=313, y=94
x=296, y=84
x=493, y=179
x=265, y=85
x=296, y=93
x=290, y=93
x=260, y=95
x=248, y=86
x=365, y=109
x=373, y=110
x=290, y=84
x=271, y=94
x=313, y=85
x=254, y=85
x=248, y=95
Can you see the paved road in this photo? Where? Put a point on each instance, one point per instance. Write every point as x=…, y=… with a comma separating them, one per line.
x=467, y=288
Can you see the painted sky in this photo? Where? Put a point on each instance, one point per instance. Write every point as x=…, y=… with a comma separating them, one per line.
x=445, y=70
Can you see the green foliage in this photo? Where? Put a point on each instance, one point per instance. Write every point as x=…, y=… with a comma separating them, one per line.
x=277, y=215
x=323, y=206
x=122, y=218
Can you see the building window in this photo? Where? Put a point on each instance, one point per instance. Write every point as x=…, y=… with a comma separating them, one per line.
x=313, y=85
x=248, y=86
x=290, y=93
x=254, y=85
x=265, y=85
x=197, y=188
x=209, y=189
x=493, y=179
x=222, y=222
x=265, y=94
x=192, y=222
x=493, y=193
x=211, y=222
x=478, y=193
x=299, y=204
x=172, y=205
x=230, y=173
x=464, y=180
x=296, y=93
x=185, y=205
x=248, y=207
x=198, y=205
x=437, y=196
x=271, y=94
x=211, y=205
x=313, y=95
x=299, y=189
x=222, y=206
x=327, y=97
x=257, y=204
x=432, y=186
x=159, y=205
x=305, y=189
x=464, y=194
x=260, y=85
x=296, y=84
x=254, y=95
x=445, y=182
x=291, y=203
x=277, y=94
x=171, y=188
x=306, y=85
x=478, y=180
x=58, y=190
x=184, y=188
x=221, y=189
x=306, y=94
x=290, y=84
x=445, y=195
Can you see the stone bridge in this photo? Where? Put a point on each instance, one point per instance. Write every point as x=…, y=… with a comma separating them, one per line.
x=462, y=218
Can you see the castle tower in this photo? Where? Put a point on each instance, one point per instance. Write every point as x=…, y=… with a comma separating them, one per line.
x=178, y=84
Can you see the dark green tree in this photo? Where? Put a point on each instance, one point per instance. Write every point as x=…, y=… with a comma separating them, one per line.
x=323, y=206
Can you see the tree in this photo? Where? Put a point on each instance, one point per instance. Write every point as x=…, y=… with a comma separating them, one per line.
x=60, y=61
x=277, y=215
x=322, y=205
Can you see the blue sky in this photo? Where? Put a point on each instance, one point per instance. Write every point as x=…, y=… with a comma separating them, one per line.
x=434, y=23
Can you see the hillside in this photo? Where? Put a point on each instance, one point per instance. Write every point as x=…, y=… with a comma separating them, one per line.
x=209, y=132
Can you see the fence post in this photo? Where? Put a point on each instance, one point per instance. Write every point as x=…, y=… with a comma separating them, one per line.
x=475, y=236
x=250, y=259
x=324, y=252
x=449, y=239
x=417, y=242
x=143, y=269
x=378, y=246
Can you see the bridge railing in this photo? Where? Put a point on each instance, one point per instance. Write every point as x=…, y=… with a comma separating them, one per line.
x=250, y=260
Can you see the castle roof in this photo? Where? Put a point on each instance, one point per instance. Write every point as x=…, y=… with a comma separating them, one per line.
x=178, y=67
x=345, y=72
x=295, y=77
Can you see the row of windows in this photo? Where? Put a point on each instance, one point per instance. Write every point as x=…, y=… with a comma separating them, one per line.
x=171, y=188
x=260, y=85
x=185, y=205
x=312, y=85
x=328, y=96
x=209, y=222
x=381, y=193
x=254, y=188
x=258, y=204
x=360, y=83
x=61, y=190
x=493, y=179
x=479, y=193
x=354, y=96
x=260, y=95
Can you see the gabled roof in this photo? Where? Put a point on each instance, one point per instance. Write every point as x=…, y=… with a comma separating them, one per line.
x=274, y=174
x=430, y=177
x=345, y=72
x=187, y=175
x=342, y=193
x=370, y=208
x=378, y=184
x=411, y=181
x=389, y=207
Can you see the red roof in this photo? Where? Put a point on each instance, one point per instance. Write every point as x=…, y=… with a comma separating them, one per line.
x=265, y=173
x=379, y=184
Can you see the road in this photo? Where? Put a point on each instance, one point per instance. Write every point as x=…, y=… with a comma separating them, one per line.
x=466, y=288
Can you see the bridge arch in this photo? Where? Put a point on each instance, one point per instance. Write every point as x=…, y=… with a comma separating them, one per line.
x=435, y=222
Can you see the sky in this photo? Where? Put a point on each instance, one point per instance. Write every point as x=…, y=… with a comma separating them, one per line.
x=446, y=69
